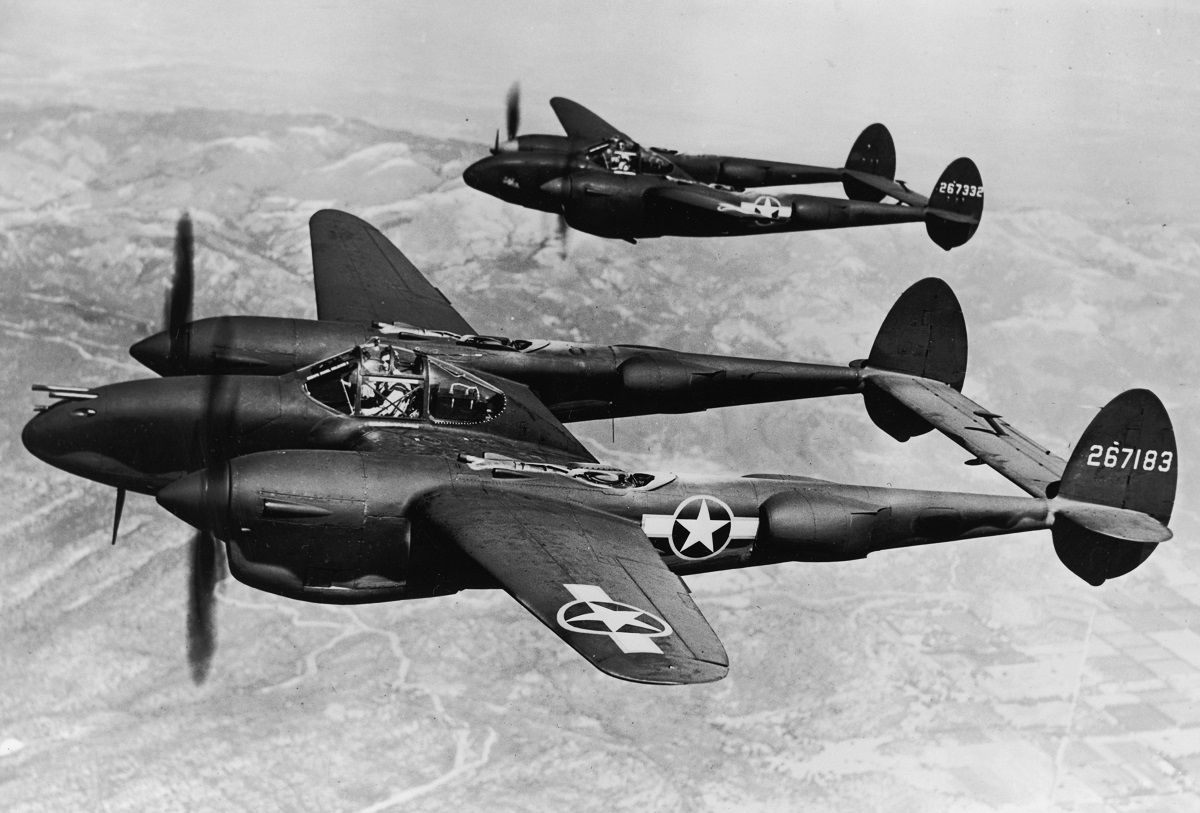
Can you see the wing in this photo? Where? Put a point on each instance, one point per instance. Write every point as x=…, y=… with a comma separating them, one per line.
x=978, y=430
x=360, y=276
x=579, y=122
x=698, y=200
x=592, y=578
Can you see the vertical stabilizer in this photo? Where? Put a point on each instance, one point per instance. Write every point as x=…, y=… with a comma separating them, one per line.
x=875, y=154
x=924, y=334
x=1126, y=459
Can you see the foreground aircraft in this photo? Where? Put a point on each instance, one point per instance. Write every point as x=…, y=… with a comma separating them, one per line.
x=385, y=473
x=602, y=182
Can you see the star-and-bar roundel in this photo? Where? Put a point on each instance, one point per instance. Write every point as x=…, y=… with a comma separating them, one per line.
x=701, y=527
x=593, y=613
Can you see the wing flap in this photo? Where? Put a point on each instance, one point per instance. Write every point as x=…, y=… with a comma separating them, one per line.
x=360, y=276
x=592, y=578
x=1032, y=467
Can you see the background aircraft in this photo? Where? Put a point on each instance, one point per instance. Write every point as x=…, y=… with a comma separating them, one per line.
x=602, y=182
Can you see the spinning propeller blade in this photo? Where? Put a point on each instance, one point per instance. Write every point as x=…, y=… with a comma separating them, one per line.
x=204, y=560
x=178, y=309
x=201, y=623
x=205, y=568
x=512, y=110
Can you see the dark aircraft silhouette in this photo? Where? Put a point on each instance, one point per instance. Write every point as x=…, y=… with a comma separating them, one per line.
x=389, y=472
x=367, y=292
x=602, y=182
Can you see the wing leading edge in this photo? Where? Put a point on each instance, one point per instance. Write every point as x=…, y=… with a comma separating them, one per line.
x=360, y=276
x=592, y=578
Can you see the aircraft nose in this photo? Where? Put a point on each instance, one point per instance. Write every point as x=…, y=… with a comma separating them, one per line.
x=60, y=429
x=154, y=352
x=39, y=435
x=476, y=175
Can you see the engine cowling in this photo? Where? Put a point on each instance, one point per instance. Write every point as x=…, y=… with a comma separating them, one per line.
x=604, y=204
x=669, y=383
x=800, y=526
x=323, y=526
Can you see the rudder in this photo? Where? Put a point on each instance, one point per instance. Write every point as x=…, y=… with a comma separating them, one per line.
x=956, y=205
x=873, y=152
x=924, y=334
x=1126, y=459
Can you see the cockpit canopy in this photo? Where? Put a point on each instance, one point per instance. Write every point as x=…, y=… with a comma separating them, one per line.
x=379, y=381
x=624, y=156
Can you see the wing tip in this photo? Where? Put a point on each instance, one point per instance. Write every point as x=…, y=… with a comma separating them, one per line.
x=661, y=670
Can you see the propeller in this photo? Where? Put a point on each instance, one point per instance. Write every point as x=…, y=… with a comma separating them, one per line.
x=206, y=566
x=512, y=110
x=177, y=311
x=205, y=560
x=563, y=230
x=512, y=116
x=203, y=575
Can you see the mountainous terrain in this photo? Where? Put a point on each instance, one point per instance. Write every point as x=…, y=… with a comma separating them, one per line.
x=971, y=677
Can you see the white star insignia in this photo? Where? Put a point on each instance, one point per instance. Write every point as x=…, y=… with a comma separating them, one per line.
x=701, y=529
x=613, y=619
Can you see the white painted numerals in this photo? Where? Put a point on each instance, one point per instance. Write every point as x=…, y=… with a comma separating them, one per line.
x=961, y=189
x=1121, y=457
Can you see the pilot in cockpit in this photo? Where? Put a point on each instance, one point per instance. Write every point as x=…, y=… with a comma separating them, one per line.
x=622, y=156
x=380, y=395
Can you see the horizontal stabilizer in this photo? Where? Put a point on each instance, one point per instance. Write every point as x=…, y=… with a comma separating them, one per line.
x=885, y=188
x=1112, y=522
x=980, y=431
x=1111, y=501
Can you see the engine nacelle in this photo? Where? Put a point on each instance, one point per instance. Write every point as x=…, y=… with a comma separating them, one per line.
x=323, y=526
x=603, y=204
x=669, y=383
x=800, y=526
